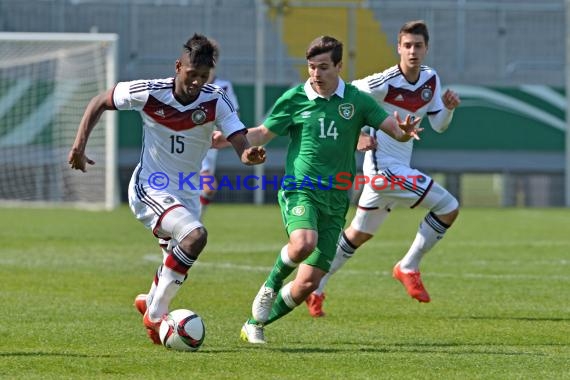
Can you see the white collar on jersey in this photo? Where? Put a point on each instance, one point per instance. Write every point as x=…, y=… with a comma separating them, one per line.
x=312, y=94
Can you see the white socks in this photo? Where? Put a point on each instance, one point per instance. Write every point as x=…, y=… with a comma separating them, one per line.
x=287, y=297
x=431, y=231
x=168, y=285
x=169, y=281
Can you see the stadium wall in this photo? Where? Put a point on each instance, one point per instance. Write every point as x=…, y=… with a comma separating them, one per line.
x=499, y=48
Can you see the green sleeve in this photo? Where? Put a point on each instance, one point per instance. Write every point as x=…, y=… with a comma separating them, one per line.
x=279, y=119
x=374, y=114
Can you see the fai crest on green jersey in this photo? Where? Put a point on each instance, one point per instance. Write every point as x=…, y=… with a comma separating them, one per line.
x=298, y=210
x=346, y=110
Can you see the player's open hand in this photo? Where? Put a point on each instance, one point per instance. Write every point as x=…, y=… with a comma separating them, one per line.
x=366, y=142
x=78, y=160
x=409, y=125
x=450, y=99
x=253, y=155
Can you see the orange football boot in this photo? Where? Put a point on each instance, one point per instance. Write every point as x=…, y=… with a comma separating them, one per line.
x=140, y=303
x=315, y=305
x=412, y=282
x=152, y=329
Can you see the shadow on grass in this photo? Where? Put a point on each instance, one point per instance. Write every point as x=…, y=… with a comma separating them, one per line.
x=64, y=354
x=529, y=319
x=417, y=348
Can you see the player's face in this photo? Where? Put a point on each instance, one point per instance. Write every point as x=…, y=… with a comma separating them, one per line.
x=190, y=79
x=412, y=49
x=323, y=74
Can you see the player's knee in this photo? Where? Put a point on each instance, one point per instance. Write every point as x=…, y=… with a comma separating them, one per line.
x=307, y=286
x=194, y=242
x=366, y=223
x=305, y=247
x=454, y=213
x=302, y=243
x=447, y=209
x=357, y=237
x=179, y=223
x=450, y=217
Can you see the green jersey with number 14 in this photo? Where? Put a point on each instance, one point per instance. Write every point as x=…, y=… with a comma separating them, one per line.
x=323, y=132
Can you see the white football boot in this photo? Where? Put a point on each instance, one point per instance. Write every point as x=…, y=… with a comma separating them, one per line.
x=252, y=333
x=262, y=304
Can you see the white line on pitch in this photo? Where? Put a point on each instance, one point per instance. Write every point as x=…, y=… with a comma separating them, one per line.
x=258, y=268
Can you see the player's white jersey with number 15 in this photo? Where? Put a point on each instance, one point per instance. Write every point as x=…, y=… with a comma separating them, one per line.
x=176, y=136
x=394, y=93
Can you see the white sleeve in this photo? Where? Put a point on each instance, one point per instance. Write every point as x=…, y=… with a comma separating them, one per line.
x=374, y=85
x=362, y=85
x=436, y=103
x=440, y=121
x=126, y=98
x=439, y=116
x=227, y=120
x=232, y=95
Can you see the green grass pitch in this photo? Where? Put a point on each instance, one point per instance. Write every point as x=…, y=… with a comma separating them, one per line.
x=499, y=281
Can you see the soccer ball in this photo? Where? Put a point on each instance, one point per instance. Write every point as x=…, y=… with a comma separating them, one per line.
x=182, y=330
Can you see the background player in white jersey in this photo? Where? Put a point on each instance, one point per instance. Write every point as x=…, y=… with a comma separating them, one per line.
x=209, y=162
x=408, y=87
x=179, y=116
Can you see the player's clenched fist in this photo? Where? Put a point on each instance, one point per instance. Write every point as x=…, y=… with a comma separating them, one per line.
x=450, y=99
x=253, y=155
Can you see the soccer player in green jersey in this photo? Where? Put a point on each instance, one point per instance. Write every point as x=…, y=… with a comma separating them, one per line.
x=323, y=118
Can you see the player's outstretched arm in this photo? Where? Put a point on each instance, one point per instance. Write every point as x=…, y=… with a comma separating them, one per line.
x=401, y=130
x=256, y=136
x=259, y=135
x=441, y=120
x=100, y=103
x=249, y=155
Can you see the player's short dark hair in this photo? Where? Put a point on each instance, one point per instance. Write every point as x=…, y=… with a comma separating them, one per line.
x=324, y=44
x=216, y=46
x=200, y=50
x=415, y=27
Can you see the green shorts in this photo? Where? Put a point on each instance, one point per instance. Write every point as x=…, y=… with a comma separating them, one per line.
x=322, y=211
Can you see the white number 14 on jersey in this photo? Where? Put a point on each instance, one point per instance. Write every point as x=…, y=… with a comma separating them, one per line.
x=331, y=130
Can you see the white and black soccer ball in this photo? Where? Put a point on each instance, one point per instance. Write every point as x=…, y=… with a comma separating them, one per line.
x=182, y=330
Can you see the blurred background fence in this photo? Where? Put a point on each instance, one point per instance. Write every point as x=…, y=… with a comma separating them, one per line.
x=506, y=146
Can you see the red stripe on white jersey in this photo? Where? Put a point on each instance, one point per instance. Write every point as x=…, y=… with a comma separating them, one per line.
x=176, y=120
x=411, y=100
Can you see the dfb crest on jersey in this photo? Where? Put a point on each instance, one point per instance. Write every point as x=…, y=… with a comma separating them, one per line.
x=346, y=110
x=427, y=94
x=198, y=116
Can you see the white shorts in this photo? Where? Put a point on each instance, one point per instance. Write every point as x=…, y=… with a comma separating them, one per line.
x=401, y=185
x=150, y=206
x=209, y=161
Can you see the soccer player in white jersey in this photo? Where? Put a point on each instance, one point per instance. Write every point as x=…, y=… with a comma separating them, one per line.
x=179, y=116
x=208, y=169
x=408, y=87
